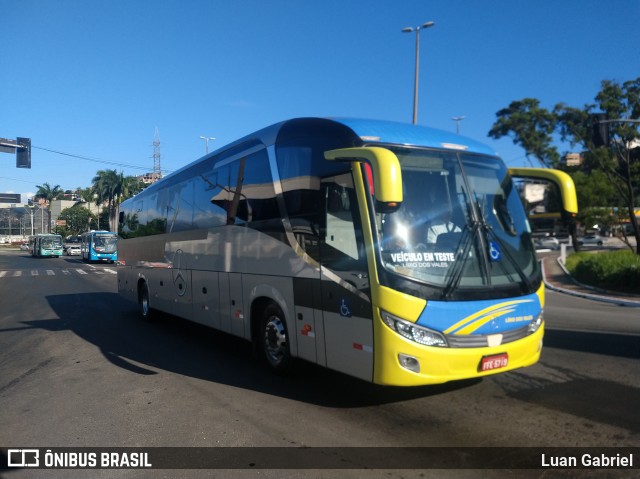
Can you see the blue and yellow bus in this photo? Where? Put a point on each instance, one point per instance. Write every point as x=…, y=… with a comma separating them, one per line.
x=394, y=253
x=99, y=246
x=46, y=245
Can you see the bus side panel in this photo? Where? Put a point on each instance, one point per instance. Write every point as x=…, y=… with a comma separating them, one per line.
x=349, y=344
x=206, y=298
x=182, y=293
x=236, y=310
x=309, y=325
x=127, y=283
x=161, y=291
x=224, y=304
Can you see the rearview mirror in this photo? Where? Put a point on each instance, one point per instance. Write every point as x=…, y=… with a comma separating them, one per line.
x=387, y=176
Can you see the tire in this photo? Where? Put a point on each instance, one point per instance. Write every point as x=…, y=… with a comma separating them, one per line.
x=274, y=340
x=146, y=312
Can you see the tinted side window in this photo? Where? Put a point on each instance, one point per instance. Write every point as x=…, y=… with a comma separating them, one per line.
x=155, y=221
x=180, y=207
x=210, y=196
x=251, y=193
x=130, y=219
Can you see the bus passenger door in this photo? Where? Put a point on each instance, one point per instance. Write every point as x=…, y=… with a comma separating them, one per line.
x=345, y=288
x=306, y=291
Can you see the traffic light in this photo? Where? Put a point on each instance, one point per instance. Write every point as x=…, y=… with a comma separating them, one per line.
x=23, y=153
x=599, y=129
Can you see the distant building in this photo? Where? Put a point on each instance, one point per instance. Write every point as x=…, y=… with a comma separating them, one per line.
x=56, y=208
x=573, y=159
x=149, y=178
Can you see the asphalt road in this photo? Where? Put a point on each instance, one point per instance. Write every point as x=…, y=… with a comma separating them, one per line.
x=79, y=369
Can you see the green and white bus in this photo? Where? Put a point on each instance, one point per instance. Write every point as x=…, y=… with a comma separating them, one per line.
x=46, y=245
x=394, y=253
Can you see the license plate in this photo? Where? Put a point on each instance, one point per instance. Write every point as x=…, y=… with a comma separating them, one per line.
x=496, y=361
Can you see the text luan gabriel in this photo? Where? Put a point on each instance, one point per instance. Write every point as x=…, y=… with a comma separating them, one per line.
x=588, y=460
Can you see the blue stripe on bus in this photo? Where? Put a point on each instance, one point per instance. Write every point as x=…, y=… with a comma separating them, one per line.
x=480, y=317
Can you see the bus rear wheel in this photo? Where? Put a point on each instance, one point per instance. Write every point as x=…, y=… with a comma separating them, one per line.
x=274, y=340
x=145, y=306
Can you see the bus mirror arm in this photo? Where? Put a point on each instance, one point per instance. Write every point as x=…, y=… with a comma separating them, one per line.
x=562, y=180
x=387, y=176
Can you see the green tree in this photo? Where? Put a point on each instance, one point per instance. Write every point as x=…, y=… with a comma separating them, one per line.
x=533, y=127
x=595, y=191
x=85, y=194
x=79, y=219
x=48, y=193
x=112, y=188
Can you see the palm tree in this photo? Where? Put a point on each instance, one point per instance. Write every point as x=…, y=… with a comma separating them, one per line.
x=105, y=185
x=113, y=188
x=47, y=193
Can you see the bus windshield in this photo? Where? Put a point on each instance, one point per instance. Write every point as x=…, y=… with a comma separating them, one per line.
x=105, y=243
x=52, y=242
x=461, y=224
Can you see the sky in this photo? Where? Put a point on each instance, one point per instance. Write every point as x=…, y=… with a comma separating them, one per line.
x=90, y=81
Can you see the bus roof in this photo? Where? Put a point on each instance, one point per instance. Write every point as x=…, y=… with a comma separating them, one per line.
x=380, y=131
x=372, y=131
x=358, y=132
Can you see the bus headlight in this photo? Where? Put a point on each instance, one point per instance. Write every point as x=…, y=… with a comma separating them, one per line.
x=536, y=323
x=412, y=331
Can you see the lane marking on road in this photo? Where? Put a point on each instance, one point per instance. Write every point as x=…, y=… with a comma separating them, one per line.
x=52, y=272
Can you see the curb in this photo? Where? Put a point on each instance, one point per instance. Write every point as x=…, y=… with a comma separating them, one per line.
x=581, y=294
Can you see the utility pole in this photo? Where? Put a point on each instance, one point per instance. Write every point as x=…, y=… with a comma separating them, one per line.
x=156, y=154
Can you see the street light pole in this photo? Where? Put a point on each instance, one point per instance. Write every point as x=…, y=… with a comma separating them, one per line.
x=457, y=119
x=415, y=86
x=206, y=143
x=30, y=210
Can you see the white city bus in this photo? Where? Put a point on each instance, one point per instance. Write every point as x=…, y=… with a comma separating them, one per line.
x=394, y=253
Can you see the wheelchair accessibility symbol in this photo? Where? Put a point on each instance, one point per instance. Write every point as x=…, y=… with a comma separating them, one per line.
x=494, y=251
x=344, y=309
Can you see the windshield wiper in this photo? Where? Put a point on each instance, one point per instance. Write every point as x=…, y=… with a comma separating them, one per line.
x=455, y=275
x=489, y=232
x=480, y=229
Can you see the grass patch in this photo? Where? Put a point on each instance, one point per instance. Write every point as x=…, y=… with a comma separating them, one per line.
x=615, y=270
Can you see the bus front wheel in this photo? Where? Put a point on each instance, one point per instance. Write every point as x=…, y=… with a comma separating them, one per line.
x=274, y=340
